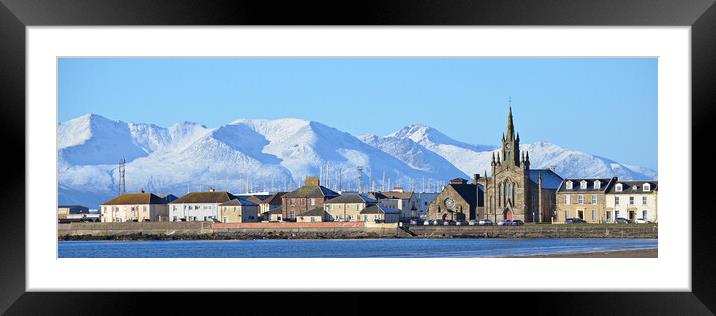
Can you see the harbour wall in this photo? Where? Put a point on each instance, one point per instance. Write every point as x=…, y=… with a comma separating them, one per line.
x=341, y=230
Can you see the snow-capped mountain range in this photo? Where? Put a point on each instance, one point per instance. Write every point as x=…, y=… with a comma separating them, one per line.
x=277, y=155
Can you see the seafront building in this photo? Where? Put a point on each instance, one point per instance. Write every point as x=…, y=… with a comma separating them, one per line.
x=406, y=202
x=633, y=200
x=585, y=199
x=135, y=207
x=458, y=201
x=308, y=197
x=239, y=210
x=380, y=214
x=199, y=206
x=347, y=207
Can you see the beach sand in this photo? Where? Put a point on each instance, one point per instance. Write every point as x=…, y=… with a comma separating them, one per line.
x=644, y=253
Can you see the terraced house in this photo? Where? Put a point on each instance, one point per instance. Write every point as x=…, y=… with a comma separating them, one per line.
x=308, y=197
x=585, y=199
x=633, y=200
x=406, y=202
x=347, y=207
x=135, y=207
x=199, y=206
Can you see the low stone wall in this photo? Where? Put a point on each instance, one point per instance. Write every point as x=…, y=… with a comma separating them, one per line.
x=539, y=231
x=341, y=230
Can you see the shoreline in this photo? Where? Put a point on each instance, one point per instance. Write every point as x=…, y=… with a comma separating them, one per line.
x=638, y=253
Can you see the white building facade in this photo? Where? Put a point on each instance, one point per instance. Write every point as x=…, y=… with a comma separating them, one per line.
x=633, y=200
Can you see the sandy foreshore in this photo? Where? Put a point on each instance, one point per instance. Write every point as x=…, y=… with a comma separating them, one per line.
x=643, y=253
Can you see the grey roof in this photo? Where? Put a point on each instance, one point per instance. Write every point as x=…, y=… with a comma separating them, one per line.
x=550, y=180
x=311, y=191
x=576, y=184
x=314, y=212
x=377, y=209
x=467, y=191
x=75, y=209
x=628, y=186
x=382, y=195
x=352, y=198
x=238, y=202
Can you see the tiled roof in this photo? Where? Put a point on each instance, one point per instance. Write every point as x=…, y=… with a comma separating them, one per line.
x=550, y=180
x=628, y=187
x=377, y=209
x=238, y=202
x=136, y=198
x=205, y=197
x=314, y=212
x=604, y=185
x=390, y=195
x=311, y=192
x=352, y=198
x=274, y=199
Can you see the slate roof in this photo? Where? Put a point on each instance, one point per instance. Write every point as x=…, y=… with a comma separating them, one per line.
x=256, y=199
x=136, y=198
x=311, y=191
x=467, y=191
x=205, y=197
x=275, y=211
x=550, y=180
x=274, y=199
x=606, y=183
x=238, y=202
x=314, y=212
x=377, y=209
x=390, y=195
x=352, y=198
x=628, y=187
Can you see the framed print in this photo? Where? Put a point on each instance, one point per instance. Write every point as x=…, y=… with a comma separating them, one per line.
x=396, y=147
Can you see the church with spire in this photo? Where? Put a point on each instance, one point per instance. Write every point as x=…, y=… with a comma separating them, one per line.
x=513, y=191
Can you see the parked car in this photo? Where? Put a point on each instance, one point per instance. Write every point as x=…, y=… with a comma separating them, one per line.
x=622, y=220
x=426, y=223
x=485, y=222
x=473, y=222
x=641, y=221
x=575, y=220
x=504, y=223
x=517, y=222
x=449, y=223
x=461, y=223
x=437, y=222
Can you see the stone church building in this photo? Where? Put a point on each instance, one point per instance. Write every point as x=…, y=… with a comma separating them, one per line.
x=514, y=191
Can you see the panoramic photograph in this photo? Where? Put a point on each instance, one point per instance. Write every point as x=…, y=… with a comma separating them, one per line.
x=357, y=157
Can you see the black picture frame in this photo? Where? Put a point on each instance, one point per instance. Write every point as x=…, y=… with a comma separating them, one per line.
x=15, y=15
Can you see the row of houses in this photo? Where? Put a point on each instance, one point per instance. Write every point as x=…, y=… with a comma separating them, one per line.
x=309, y=203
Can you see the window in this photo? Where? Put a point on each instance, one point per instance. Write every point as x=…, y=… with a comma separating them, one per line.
x=293, y=202
x=566, y=214
x=597, y=184
x=609, y=216
x=581, y=199
x=616, y=200
x=313, y=202
x=635, y=187
x=567, y=199
x=644, y=199
x=647, y=187
x=594, y=199
x=594, y=215
x=616, y=214
x=569, y=185
x=631, y=200
x=583, y=184
x=643, y=214
x=619, y=187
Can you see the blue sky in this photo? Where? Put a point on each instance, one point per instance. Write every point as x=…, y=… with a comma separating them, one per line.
x=604, y=106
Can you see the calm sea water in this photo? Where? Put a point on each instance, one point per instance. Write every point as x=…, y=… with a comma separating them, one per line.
x=351, y=248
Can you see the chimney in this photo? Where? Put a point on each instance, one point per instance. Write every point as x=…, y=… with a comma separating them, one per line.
x=398, y=189
x=476, y=177
x=312, y=181
x=211, y=189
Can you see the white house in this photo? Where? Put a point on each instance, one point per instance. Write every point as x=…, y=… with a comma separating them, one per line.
x=199, y=206
x=634, y=200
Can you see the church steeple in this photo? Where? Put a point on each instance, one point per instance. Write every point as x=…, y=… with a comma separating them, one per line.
x=511, y=142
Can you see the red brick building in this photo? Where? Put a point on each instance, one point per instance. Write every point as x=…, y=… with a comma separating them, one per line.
x=308, y=197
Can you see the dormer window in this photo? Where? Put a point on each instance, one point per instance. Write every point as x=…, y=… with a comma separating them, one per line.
x=619, y=187
x=569, y=185
x=583, y=184
x=647, y=187
x=597, y=184
x=635, y=187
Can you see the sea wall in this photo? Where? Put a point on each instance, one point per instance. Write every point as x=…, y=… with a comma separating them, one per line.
x=341, y=230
